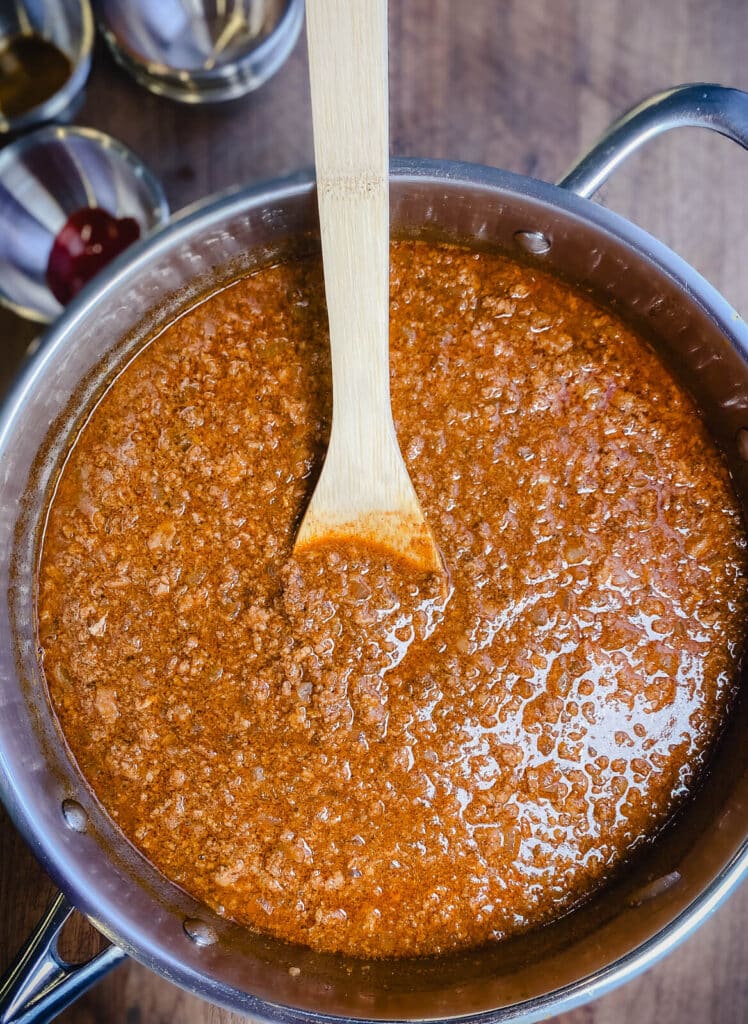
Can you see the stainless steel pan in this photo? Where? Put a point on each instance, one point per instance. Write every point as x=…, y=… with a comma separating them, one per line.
x=657, y=901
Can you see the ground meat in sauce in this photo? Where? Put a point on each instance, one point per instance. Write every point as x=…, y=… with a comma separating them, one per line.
x=331, y=749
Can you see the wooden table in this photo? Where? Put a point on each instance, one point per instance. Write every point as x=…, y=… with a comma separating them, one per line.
x=522, y=84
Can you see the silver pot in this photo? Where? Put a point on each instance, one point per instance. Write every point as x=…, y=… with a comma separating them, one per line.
x=646, y=911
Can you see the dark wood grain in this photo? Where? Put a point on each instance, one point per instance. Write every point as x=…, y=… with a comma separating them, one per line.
x=521, y=84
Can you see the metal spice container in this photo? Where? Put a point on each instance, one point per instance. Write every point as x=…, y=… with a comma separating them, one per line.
x=45, y=58
x=202, y=52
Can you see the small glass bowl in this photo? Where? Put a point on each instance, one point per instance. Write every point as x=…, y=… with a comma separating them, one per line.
x=201, y=51
x=47, y=176
x=69, y=25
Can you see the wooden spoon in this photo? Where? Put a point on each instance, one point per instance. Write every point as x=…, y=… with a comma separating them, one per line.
x=364, y=492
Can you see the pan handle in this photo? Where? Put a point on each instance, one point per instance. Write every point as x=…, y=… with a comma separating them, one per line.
x=699, y=106
x=40, y=984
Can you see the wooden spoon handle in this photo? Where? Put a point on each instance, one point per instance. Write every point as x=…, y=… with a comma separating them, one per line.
x=348, y=73
x=364, y=492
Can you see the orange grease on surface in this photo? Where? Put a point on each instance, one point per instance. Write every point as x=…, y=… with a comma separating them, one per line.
x=330, y=748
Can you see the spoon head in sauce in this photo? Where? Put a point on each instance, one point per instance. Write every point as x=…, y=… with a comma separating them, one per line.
x=405, y=534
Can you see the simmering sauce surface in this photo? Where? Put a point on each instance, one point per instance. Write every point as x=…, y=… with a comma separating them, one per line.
x=338, y=751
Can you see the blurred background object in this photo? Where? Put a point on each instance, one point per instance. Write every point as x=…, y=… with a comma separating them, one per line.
x=45, y=59
x=201, y=51
x=71, y=199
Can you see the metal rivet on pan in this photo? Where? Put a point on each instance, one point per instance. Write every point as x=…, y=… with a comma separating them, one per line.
x=741, y=439
x=200, y=932
x=74, y=815
x=534, y=242
x=654, y=889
